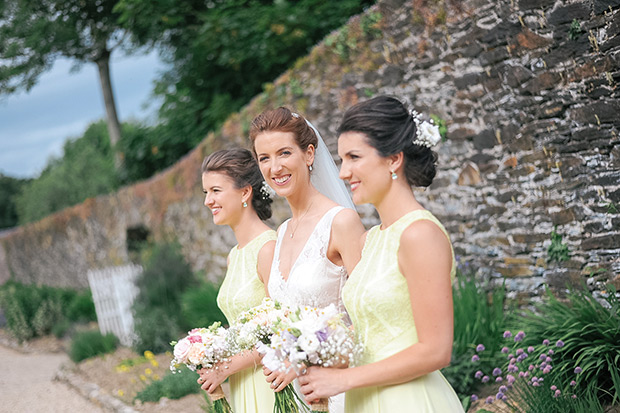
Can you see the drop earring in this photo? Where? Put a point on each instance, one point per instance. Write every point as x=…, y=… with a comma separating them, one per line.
x=310, y=168
x=245, y=204
x=394, y=176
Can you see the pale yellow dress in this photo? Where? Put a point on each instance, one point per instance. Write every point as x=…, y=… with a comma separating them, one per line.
x=377, y=299
x=241, y=290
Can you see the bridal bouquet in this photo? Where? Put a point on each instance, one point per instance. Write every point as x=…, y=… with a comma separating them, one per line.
x=254, y=329
x=205, y=348
x=312, y=336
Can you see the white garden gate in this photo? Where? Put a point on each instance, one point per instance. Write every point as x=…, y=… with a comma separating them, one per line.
x=114, y=289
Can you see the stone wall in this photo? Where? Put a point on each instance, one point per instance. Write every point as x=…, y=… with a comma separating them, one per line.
x=528, y=90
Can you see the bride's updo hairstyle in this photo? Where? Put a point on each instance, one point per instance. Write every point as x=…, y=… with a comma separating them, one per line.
x=390, y=128
x=283, y=120
x=240, y=166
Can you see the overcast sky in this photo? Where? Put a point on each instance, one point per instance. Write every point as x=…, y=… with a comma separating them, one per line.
x=34, y=125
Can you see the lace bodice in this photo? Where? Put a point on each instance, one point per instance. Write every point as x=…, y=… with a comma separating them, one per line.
x=377, y=296
x=242, y=289
x=313, y=280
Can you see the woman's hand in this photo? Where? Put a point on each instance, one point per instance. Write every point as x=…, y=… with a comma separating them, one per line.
x=321, y=382
x=211, y=378
x=279, y=379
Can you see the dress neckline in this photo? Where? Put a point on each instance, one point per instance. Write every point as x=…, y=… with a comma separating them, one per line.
x=280, y=238
x=401, y=218
x=252, y=240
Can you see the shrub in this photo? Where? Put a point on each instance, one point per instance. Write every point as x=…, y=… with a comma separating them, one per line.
x=157, y=312
x=199, y=306
x=82, y=308
x=590, y=332
x=60, y=329
x=88, y=344
x=48, y=314
x=479, y=317
x=172, y=386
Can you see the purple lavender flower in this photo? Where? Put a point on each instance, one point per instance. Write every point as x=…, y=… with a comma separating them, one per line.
x=478, y=374
x=507, y=334
x=536, y=384
x=519, y=351
x=522, y=357
x=511, y=379
x=489, y=400
x=574, y=396
x=505, y=350
x=578, y=370
x=546, y=342
x=531, y=367
x=511, y=355
x=542, y=357
x=499, y=395
x=512, y=368
x=503, y=388
x=497, y=371
x=547, y=370
x=473, y=398
x=512, y=361
x=530, y=349
x=485, y=379
x=551, y=352
x=548, y=359
x=520, y=335
x=543, y=365
x=526, y=374
x=480, y=347
x=498, y=379
x=475, y=358
x=559, y=343
x=322, y=334
x=554, y=387
x=573, y=383
x=557, y=393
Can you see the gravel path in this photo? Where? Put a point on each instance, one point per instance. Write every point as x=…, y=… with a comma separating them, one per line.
x=26, y=384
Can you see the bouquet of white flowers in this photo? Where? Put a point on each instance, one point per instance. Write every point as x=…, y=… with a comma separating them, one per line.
x=254, y=329
x=311, y=336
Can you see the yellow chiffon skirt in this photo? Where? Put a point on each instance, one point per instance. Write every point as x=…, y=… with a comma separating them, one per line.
x=427, y=394
x=249, y=392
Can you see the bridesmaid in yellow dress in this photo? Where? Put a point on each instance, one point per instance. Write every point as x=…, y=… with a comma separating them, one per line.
x=236, y=197
x=399, y=296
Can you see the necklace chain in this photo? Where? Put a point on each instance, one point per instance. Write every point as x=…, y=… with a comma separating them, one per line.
x=299, y=219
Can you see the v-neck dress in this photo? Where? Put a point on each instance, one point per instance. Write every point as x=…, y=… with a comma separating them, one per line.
x=313, y=279
x=241, y=290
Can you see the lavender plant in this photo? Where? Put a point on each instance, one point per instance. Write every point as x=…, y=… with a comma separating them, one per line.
x=523, y=382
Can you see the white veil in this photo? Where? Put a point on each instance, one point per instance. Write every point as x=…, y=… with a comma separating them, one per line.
x=324, y=174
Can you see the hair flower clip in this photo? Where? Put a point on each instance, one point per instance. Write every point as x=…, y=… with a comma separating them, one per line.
x=427, y=133
x=266, y=191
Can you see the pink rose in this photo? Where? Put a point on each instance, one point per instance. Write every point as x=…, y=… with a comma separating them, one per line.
x=181, y=349
x=196, y=354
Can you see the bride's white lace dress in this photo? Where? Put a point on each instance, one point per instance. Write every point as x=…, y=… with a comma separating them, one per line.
x=313, y=279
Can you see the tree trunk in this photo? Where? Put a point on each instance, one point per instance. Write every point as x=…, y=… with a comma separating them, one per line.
x=114, y=126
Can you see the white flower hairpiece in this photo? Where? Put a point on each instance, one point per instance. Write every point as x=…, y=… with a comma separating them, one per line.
x=427, y=133
x=266, y=191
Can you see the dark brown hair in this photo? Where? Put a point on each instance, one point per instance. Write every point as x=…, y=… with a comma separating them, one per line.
x=241, y=167
x=283, y=120
x=390, y=129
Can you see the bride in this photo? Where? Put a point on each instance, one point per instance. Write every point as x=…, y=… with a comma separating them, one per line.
x=319, y=245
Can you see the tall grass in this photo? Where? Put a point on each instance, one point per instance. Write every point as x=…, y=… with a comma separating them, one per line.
x=590, y=333
x=479, y=318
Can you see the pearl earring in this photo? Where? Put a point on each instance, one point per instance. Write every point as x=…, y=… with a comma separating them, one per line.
x=245, y=204
x=394, y=176
x=310, y=168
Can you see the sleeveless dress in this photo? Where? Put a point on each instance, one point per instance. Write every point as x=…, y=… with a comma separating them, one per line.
x=377, y=299
x=241, y=290
x=313, y=280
